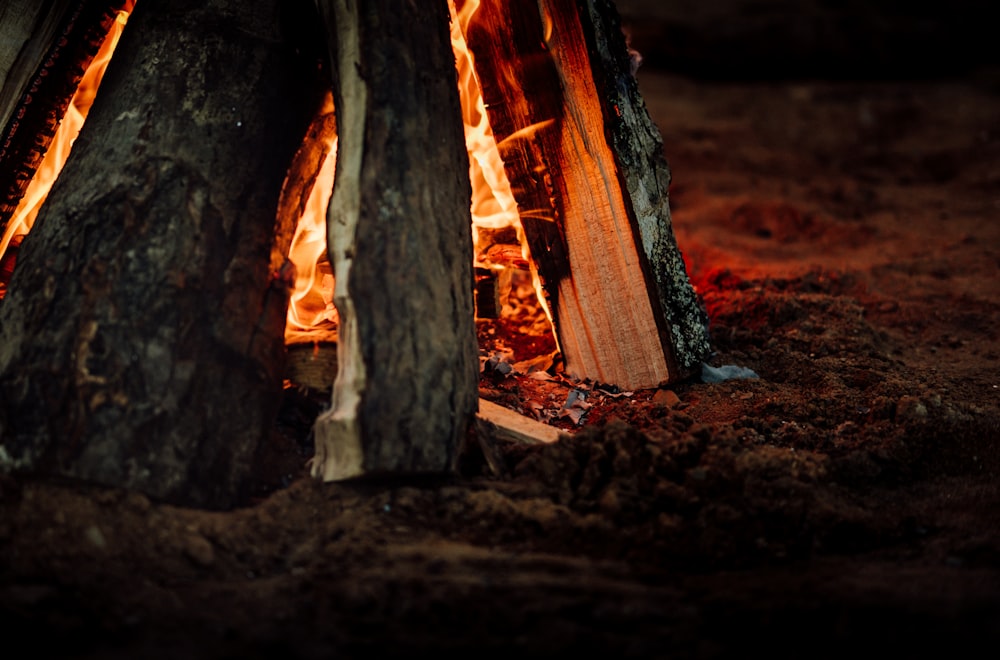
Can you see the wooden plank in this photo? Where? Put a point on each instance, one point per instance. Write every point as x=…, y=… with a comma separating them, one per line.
x=400, y=244
x=614, y=272
x=496, y=426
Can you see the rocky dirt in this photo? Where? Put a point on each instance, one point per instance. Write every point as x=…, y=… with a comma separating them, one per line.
x=845, y=238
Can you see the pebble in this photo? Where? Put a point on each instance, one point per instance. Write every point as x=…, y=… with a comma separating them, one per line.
x=96, y=538
x=910, y=409
x=666, y=398
x=888, y=306
x=199, y=550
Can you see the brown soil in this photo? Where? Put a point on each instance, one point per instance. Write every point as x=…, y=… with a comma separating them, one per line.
x=845, y=238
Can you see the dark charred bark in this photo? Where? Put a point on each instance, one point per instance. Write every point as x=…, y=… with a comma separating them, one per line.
x=400, y=242
x=141, y=340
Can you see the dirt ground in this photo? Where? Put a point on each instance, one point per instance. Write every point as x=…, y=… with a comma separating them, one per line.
x=845, y=238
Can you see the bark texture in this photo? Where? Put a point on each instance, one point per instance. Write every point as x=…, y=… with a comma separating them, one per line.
x=400, y=242
x=141, y=339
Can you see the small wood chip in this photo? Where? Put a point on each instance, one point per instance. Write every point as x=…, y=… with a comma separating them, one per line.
x=503, y=424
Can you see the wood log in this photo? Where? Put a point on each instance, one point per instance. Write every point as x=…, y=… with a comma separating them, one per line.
x=400, y=243
x=303, y=172
x=312, y=365
x=141, y=341
x=492, y=290
x=587, y=168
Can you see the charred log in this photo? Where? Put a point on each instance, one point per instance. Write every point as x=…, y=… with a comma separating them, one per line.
x=399, y=241
x=141, y=340
x=44, y=50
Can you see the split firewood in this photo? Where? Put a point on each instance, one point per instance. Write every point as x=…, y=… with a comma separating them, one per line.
x=587, y=169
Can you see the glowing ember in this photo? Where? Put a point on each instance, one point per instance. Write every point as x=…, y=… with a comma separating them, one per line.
x=58, y=151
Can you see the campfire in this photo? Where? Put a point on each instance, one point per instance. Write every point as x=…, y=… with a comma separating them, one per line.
x=191, y=239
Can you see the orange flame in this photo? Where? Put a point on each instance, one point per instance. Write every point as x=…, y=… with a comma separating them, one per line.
x=62, y=141
x=493, y=204
x=310, y=307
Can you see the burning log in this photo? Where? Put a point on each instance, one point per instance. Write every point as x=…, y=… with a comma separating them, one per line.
x=586, y=166
x=398, y=230
x=141, y=340
x=44, y=50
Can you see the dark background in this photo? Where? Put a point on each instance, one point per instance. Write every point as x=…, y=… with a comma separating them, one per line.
x=837, y=39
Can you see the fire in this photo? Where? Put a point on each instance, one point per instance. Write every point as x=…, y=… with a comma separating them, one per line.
x=311, y=310
x=310, y=306
x=62, y=142
x=311, y=313
x=493, y=204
